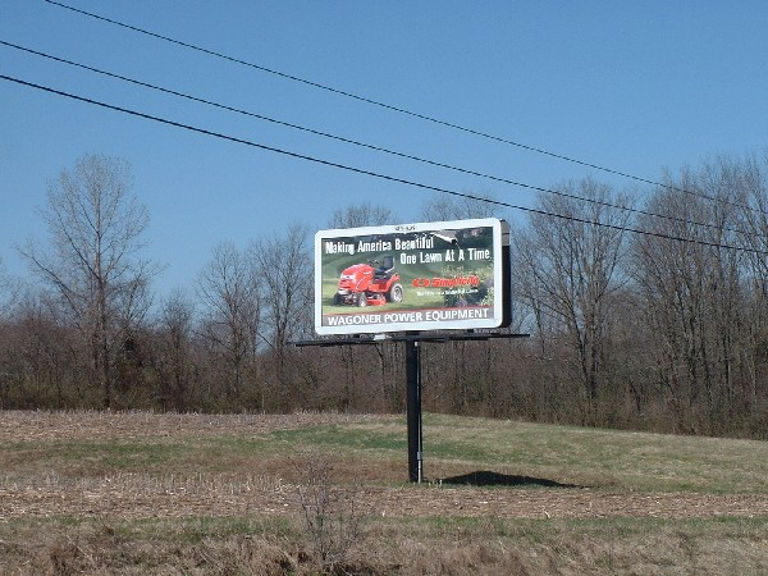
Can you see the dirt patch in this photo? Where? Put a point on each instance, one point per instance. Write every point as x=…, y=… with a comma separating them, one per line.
x=131, y=497
x=22, y=425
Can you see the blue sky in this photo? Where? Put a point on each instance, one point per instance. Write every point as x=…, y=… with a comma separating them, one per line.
x=637, y=87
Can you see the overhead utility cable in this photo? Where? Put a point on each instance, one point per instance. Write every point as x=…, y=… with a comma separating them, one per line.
x=368, y=146
x=390, y=107
x=371, y=173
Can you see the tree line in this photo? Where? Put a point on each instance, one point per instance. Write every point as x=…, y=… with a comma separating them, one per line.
x=647, y=309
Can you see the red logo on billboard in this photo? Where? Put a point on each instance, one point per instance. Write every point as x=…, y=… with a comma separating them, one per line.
x=438, y=282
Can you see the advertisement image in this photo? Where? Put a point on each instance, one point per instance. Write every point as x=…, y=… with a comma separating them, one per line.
x=414, y=277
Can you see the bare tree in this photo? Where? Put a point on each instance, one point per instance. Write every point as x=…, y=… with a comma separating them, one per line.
x=359, y=215
x=229, y=291
x=94, y=265
x=566, y=270
x=446, y=208
x=10, y=291
x=693, y=295
x=174, y=354
x=284, y=268
x=753, y=182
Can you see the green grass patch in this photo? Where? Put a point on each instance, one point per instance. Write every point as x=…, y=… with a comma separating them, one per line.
x=347, y=439
x=598, y=458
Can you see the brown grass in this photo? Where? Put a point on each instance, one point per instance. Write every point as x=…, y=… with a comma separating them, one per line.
x=241, y=511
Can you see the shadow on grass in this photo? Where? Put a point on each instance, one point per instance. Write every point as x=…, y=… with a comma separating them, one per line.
x=487, y=478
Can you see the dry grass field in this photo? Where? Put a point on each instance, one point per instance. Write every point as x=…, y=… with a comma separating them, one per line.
x=143, y=493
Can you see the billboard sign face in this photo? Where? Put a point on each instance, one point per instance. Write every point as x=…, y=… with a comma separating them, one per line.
x=428, y=276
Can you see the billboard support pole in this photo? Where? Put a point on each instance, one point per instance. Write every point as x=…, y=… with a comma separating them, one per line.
x=412, y=341
x=413, y=376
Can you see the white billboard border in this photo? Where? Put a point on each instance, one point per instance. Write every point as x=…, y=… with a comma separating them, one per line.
x=499, y=317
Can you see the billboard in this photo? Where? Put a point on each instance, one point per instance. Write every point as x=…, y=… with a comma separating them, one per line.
x=415, y=277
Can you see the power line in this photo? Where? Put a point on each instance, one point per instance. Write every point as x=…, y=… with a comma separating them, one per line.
x=370, y=173
x=391, y=152
x=391, y=107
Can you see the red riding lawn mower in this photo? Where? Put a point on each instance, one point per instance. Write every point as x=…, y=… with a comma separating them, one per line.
x=369, y=284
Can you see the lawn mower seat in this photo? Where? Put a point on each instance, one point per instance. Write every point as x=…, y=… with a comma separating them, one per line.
x=387, y=265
